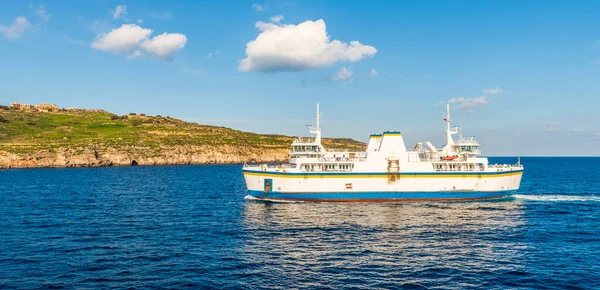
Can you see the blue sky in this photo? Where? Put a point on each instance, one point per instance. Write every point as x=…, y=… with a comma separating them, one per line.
x=522, y=76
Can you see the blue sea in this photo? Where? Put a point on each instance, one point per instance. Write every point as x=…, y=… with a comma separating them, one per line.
x=191, y=227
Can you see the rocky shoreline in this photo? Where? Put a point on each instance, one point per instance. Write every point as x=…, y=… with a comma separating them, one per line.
x=172, y=155
x=47, y=136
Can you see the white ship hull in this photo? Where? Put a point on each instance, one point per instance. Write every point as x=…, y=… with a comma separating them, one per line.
x=381, y=186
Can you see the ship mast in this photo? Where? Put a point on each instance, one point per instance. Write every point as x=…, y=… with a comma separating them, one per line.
x=449, y=140
x=449, y=132
x=317, y=130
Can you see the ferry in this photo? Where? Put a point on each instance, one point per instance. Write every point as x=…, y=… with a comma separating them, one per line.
x=385, y=171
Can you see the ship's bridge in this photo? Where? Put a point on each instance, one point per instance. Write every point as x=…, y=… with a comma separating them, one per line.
x=467, y=145
x=305, y=146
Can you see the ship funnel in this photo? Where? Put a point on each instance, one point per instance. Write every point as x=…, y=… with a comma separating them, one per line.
x=392, y=142
x=374, y=142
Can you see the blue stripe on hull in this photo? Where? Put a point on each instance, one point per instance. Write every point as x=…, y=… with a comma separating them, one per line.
x=380, y=196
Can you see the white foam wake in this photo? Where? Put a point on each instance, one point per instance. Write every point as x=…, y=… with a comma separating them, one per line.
x=249, y=197
x=558, y=197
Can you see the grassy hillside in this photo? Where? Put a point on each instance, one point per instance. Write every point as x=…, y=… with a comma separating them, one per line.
x=25, y=132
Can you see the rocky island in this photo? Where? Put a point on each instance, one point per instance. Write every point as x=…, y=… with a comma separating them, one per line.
x=48, y=136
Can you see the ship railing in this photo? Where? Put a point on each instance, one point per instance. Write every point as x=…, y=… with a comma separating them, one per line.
x=343, y=159
x=459, y=169
x=342, y=150
x=505, y=166
x=328, y=170
x=303, y=140
x=428, y=158
x=321, y=169
x=304, y=151
x=270, y=166
x=438, y=159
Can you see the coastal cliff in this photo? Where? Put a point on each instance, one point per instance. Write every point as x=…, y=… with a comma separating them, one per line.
x=47, y=136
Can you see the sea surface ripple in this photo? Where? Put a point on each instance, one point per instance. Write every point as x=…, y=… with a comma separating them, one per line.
x=191, y=227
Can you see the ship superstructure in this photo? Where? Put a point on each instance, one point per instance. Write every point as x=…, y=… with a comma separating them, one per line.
x=385, y=171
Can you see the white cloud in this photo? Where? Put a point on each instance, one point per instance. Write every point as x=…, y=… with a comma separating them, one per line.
x=135, y=54
x=135, y=41
x=452, y=101
x=493, y=91
x=372, y=73
x=124, y=39
x=276, y=18
x=120, y=12
x=347, y=75
x=597, y=61
x=44, y=16
x=164, y=46
x=287, y=47
x=16, y=29
x=258, y=7
x=471, y=103
x=211, y=54
x=467, y=104
x=140, y=21
x=343, y=74
x=577, y=130
x=551, y=126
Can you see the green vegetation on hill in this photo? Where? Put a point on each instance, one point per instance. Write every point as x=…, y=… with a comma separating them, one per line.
x=24, y=131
